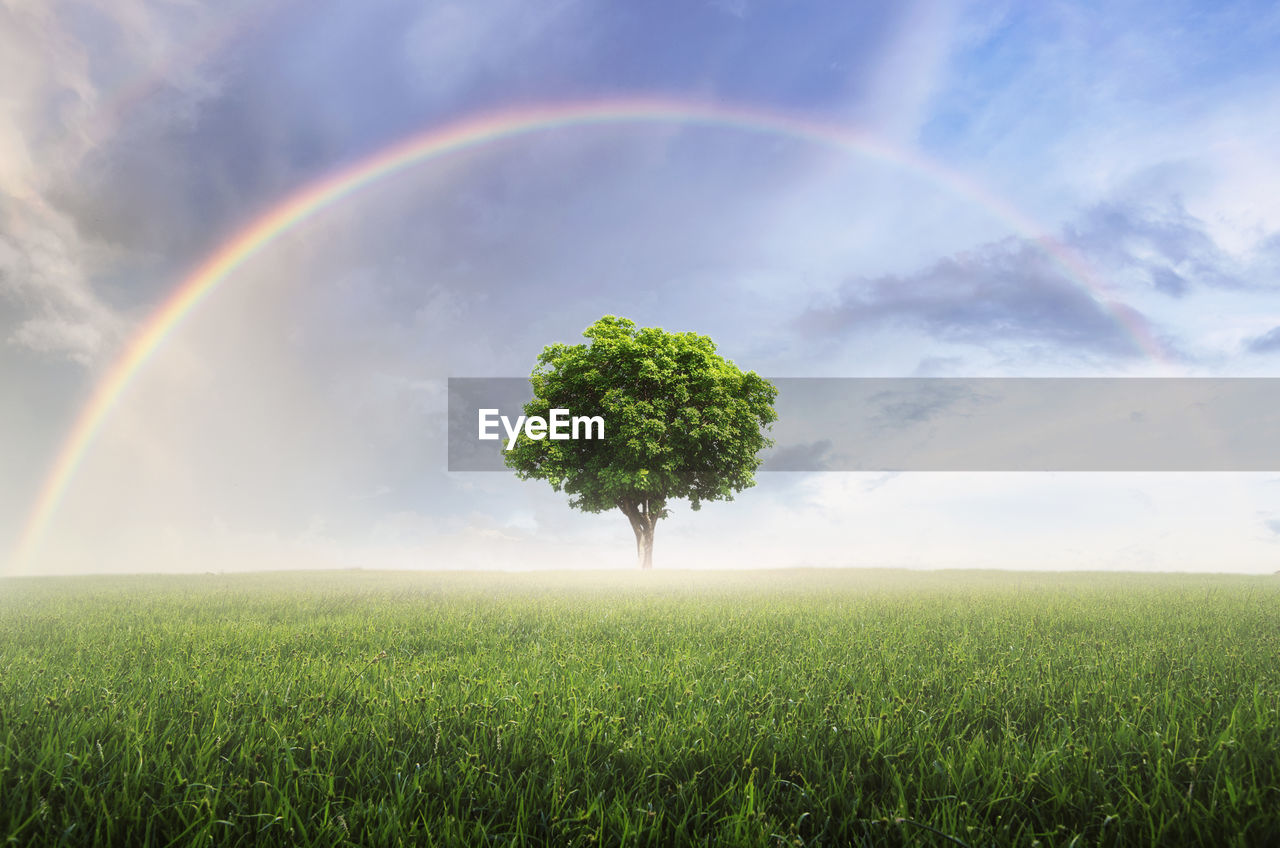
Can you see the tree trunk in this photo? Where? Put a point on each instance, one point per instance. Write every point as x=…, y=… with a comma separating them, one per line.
x=642, y=524
x=644, y=546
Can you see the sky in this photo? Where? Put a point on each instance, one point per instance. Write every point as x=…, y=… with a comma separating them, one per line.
x=1036, y=189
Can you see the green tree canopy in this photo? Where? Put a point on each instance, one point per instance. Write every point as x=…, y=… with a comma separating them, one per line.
x=681, y=421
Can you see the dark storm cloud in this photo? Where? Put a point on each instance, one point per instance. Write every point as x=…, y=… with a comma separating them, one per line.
x=1009, y=291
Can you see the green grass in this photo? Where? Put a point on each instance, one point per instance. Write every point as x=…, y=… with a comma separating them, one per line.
x=796, y=708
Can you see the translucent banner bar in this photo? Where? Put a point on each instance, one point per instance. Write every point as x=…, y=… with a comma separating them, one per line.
x=963, y=424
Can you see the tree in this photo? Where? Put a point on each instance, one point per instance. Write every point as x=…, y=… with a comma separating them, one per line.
x=680, y=421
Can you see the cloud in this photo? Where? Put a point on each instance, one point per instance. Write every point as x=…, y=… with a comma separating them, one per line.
x=72, y=79
x=79, y=341
x=924, y=403
x=908, y=70
x=1060, y=104
x=1153, y=268
x=807, y=456
x=1163, y=247
x=41, y=259
x=1010, y=291
x=1268, y=342
x=44, y=271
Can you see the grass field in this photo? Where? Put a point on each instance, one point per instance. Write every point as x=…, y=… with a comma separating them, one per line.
x=770, y=708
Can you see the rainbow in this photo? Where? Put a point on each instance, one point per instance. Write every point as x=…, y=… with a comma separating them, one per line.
x=463, y=135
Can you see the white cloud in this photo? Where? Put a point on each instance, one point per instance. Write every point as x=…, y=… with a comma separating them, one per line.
x=81, y=342
x=906, y=77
